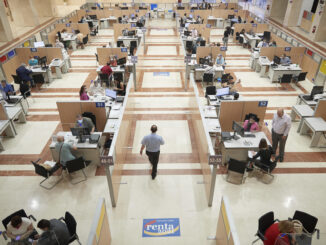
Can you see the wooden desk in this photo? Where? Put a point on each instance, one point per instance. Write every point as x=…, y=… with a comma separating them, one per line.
x=318, y=127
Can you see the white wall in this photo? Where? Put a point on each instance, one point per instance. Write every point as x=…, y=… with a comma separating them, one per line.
x=306, y=5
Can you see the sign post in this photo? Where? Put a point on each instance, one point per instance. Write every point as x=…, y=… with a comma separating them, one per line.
x=187, y=60
x=134, y=60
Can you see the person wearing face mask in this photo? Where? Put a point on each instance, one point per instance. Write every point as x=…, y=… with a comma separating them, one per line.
x=85, y=122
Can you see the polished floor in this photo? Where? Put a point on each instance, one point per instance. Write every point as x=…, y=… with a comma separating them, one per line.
x=178, y=190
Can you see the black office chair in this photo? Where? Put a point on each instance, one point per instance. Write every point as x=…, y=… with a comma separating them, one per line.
x=210, y=90
x=308, y=221
x=225, y=78
x=38, y=79
x=188, y=44
x=300, y=77
x=76, y=165
x=132, y=50
x=236, y=171
x=264, y=223
x=84, y=40
x=267, y=35
x=46, y=173
x=48, y=45
x=237, y=35
x=13, y=88
x=17, y=79
x=118, y=76
x=203, y=43
x=208, y=78
x=90, y=24
x=286, y=78
x=119, y=43
x=22, y=214
x=133, y=44
x=249, y=115
x=241, y=40
x=120, y=20
x=72, y=227
x=104, y=78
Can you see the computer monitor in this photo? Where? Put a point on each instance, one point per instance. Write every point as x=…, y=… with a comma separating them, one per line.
x=131, y=33
x=277, y=60
x=187, y=33
x=111, y=93
x=230, y=16
x=202, y=61
x=190, y=16
x=122, y=61
x=132, y=16
x=80, y=132
x=42, y=61
x=93, y=17
x=238, y=129
x=223, y=91
x=316, y=90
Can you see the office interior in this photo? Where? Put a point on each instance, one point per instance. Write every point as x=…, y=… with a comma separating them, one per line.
x=171, y=67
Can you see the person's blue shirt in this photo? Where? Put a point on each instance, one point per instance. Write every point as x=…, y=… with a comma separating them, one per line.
x=152, y=142
x=23, y=73
x=285, y=60
x=220, y=61
x=33, y=62
x=7, y=88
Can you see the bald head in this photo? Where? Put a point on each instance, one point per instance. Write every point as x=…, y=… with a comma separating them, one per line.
x=154, y=128
x=60, y=138
x=280, y=112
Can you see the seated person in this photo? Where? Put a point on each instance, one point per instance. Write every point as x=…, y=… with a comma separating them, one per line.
x=107, y=69
x=32, y=61
x=96, y=89
x=184, y=18
x=54, y=232
x=109, y=45
x=266, y=154
x=251, y=125
x=64, y=150
x=272, y=44
x=218, y=44
x=280, y=230
x=239, y=19
x=83, y=93
x=79, y=39
x=7, y=88
x=121, y=88
x=262, y=43
x=85, y=122
x=23, y=73
x=242, y=31
x=220, y=60
x=82, y=20
x=199, y=39
x=113, y=61
x=285, y=60
x=58, y=44
x=125, y=32
x=194, y=32
x=20, y=229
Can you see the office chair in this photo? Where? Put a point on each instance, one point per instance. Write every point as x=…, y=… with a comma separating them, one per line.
x=300, y=77
x=133, y=44
x=22, y=214
x=266, y=169
x=188, y=44
x=286, y=78
x=240, y=40
x=119, y=43
x=48, y=45
x=46, y=173
x=13, y=88
x=118, y=76
x=17, y=79
x=267, y=35
x=226, y=78
x=264, y=223
x=308, y=221
x=90, y=24
x=84, y=40
x=120, y=20
x=210, y=90
x=237, y=35
x=208, y=77
x=132, y=50
x=203, y=43
x=38, y=79
x=104, y=79
x=76, y=165
x=236, y=171
x=93, y=8
x=72, y=227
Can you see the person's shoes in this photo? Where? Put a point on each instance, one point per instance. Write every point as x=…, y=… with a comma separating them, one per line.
x=153, y=176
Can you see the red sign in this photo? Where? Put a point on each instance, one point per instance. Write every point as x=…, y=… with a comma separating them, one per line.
x=309, y=52
x=3, y=58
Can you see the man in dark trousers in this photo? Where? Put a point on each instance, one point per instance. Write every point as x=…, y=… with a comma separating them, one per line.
x=152, y=142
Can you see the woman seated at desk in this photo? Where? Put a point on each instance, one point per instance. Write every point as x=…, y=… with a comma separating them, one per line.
x=32, y=61
x=83, y=93
x=121, y=88
x=96, y=89
x=113, y=61
x=251, y=125
x=267, y=156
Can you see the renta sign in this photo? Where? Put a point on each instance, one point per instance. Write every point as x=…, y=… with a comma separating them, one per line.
x=161, y=227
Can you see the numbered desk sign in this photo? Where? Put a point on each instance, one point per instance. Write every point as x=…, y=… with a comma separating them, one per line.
x=68, y=25
x=263, y=103
x=143, y=29
x=134, y=59
x=133, y=25
x=100, y=104
x=33, y=49
x=223, y=48
x=235, y=11
x=191, y=10
x=125, y=50
x=287, y=49
x=208, y=25
x=215, y=160
x=254, y=25
x=106, y=160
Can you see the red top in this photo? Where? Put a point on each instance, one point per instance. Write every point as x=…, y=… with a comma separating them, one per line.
x=272, y=233
x=106, y=70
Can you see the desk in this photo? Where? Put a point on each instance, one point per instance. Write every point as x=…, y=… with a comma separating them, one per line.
x=111, y=126
x=262, y=64
x=210, y=112
x=253, y=60
x=5, y=126
x=192, y=21
x=317, y=125
x=238, y=149
x=58, y=65
x=301, y=100
x=70, y=37
x=20, y=102
x=105, y=22
x=15, y=113
x=45, y=72
x=90, y=152
x=115, y=114
x=213, y=125
x=275, y=73
x=116, y=69
x=301, y=111
x=217, y=69
x=252, y=39
x=126, y=40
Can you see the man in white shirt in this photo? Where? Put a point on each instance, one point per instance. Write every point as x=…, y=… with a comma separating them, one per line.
x=281, y=125
x=20, y=229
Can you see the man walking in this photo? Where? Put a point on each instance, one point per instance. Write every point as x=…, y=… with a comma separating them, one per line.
x=280, y=129
x=152, y=142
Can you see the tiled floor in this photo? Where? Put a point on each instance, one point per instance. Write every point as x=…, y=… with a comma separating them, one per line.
x=178, y=191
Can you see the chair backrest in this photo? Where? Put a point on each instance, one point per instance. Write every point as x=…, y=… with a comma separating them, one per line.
x=120, y=20
x=40, y=170
x=119, y=43
x=189, y=44
x=132, y=49
x=240, y=39
x=133, y=44
x=265, y=222
x=286, y=78
x=267, y=35
x=71, y=223
x=308, y=221
x=302, y=76
x=38, y=78
x=7, y=220
x=237, y=34
x=104, y=77
x=118, y=76
x=208, y=77
x=237, y=166
x=90, y=24
x=210, y=90
x=17, y=79
x=75, y=164
x=85, y=40
x=202, y=43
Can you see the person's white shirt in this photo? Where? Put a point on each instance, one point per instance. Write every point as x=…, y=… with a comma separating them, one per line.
x=22, y=229
x=194, y=33
x=260, y=44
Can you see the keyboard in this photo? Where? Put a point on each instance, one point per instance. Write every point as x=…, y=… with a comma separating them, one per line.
x=12, y=101
x=307, y=97
x=249, y=136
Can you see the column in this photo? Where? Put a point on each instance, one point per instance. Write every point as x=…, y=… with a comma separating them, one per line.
x=292, y=13
x=5, y=29
x=318, y=28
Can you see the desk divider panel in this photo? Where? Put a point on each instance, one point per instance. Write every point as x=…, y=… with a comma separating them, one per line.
x=105, y=53
x=205, y=51
x=253, y=107
x=260, y=28
x=321, y=109
x=10, y=67
x=3, y=112
x=83, y=27
x=118, y=28
x=99, y=112
x=296, y=53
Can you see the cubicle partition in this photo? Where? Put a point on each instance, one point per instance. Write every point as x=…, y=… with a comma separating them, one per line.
x=105, y=53
x=70, y=27
x=105, y=13
x=22, y=56
x=296, y=53
x=212, y=51
x=68, y=110
x=256, y=28
x=321, y=109
x=118, y=28
x=219, y=13
x=237, y=110
x=201, y=29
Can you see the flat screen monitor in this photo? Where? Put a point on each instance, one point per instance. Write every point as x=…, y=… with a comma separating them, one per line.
x=222, y=91
x=230, y=16
x=132, y=16
x=122, y=61
x=277, y=60
x=187, y=33
x=202, y=61
x=80, y=131
x=238, y=129
x=110, y=93
x=316, y=90
x=42, y=61
x=190, y=16
x=93, y=17
x=132, y=33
